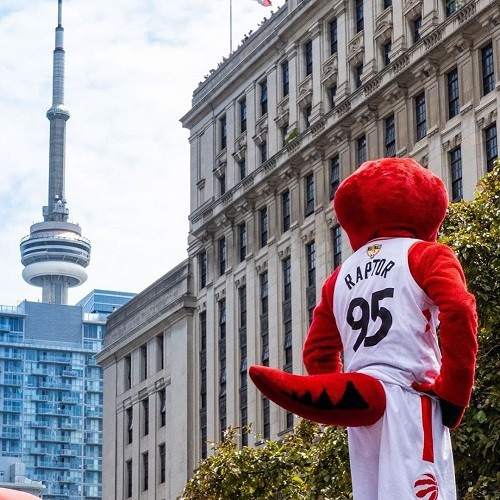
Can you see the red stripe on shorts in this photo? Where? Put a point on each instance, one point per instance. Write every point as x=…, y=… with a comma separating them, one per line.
x=428, y=449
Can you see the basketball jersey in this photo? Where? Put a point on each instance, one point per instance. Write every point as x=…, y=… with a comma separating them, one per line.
x=386, y=322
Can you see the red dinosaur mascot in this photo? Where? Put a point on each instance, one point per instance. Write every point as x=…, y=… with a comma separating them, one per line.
x=398, y=388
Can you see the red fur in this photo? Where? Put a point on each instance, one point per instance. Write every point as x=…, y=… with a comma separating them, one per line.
x=375, y=201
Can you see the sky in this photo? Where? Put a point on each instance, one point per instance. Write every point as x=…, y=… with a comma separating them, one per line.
x=131, y=69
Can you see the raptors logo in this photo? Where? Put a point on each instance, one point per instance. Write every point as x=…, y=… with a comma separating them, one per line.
x=426, y=487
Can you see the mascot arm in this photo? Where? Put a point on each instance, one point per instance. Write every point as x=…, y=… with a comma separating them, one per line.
x=437, y=271
x=323, y=346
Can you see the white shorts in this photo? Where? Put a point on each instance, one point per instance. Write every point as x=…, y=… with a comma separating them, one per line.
x=406, y=455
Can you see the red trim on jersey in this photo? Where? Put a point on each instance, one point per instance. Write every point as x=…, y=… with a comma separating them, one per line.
x=428, y=448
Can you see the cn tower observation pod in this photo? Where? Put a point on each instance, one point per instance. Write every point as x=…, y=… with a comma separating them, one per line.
x=55, y=256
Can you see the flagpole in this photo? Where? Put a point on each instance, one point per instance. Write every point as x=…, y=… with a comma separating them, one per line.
x=230, y=26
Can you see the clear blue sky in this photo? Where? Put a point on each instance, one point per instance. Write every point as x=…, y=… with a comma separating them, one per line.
x=131, y=68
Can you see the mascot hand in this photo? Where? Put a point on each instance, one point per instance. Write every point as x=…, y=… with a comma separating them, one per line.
x=451, y=414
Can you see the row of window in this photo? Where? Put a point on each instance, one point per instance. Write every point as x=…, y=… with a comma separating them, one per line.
x=144, y=471
x=490, y=154
x=452, y=95
x=145, y=416
x=145, y=364
x=287, y=354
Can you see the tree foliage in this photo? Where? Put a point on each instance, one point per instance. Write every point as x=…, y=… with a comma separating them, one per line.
x=472, y=229
x=312, y=463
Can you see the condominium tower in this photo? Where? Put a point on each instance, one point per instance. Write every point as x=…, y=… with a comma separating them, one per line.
x=319, y=88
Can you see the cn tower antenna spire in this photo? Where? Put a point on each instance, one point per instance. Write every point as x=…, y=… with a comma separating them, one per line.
x=55, y=254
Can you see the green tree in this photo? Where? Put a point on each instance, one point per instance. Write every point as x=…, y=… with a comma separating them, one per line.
x=312, y=463
x=472, y=229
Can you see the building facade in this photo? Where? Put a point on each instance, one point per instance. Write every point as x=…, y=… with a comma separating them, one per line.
x=319, y=88
x=147, y=363
x=51, y=395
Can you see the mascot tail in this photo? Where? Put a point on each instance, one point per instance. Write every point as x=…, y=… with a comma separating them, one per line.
x=346, y=399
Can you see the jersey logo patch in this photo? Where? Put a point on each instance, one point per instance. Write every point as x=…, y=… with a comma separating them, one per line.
x=426, y=487
x=373, y=250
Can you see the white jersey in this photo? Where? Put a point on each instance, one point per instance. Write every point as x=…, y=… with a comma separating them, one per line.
x=388, y=329
x=386, y=321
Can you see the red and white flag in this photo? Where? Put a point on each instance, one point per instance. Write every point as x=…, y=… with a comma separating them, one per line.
x=265, y=3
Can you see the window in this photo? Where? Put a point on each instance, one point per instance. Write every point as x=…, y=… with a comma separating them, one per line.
x=359, y=15
x=334, y=175
x=162, y=456
x=331, y=96
x=289, y=420
x=160, y=351
x=202, y=268
x=387, y=4
x=263, y=97
x=285, y=78
x=287, y=314
x=450, y=6
x=242, y=300
x=162, y=400
x=263, y=226
x=264, y=317
x=223, y=132
x=242, y=241
x=307, y=116
x=386, y=51
x=453, y=94
x=222, y=184
x=243, y=115
x=287, y=279
x=488, y=69
x=311, y=263
x=128, y=466
x=263, y=152
x=266, y=418
x=284, y=133
x=242, y=168
x=222, y=367
x=308, y=57
x=203, y=384
x=456, y=174
x=222, y=256
x=333, y=36
x=491, y=144
x=416, y=26
x=145, y=471
x=390, y=137
x=309, y=194
x=337, y=245
x=145, y=416
x=286, y=210
x=420, y=116
x=130, y=425
x=358, y=72
x=361, y=149
x=311, y=279
x=127, y=362
x=144, y=361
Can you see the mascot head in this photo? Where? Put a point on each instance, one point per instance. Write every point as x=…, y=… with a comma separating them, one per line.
x=390, y=197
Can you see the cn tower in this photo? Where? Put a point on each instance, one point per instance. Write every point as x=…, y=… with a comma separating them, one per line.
x=55, y=254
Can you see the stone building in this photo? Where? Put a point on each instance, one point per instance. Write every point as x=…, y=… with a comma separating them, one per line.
x=319, y=88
